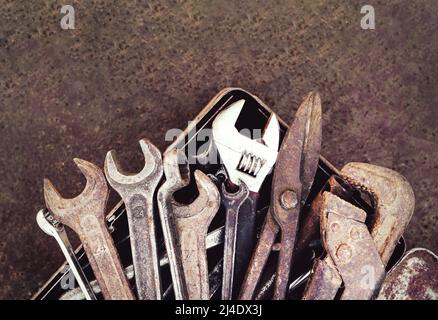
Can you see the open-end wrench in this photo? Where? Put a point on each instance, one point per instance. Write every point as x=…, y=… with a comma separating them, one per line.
x=137, y=192
x=185, y=226
x=293, y=176
x=247, y=163
x=53, y=228
x=85, y=214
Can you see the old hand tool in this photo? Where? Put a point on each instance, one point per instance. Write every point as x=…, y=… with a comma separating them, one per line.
x=137, y=192
x=85, y=214
x=247, y=163
x=293, y=177
x=351, y=252
x=54, y=228
x=185, y=226
x=393, y=201
x=393, y=198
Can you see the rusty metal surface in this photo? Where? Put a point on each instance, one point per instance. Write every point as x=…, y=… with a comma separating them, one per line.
x=351, y=247
x=139, y=69
x=324, y=282
x=394, y=202
x=85, y=214
x=137, y=192
x=185, y=227
x=415, y=277
x=293, y=176
x=259, y=257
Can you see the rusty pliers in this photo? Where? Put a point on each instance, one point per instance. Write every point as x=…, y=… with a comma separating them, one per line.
x=294, y=172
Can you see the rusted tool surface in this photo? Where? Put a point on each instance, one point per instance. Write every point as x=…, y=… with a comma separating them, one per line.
x=247, y=163
x=293, y=176
x=185, y=227
x=394, y=202
x=325, y=281
x=351, y=247
x=137, y=192
x=54, y=228
x=232, y=202
x=85, y=214
x=415, y=277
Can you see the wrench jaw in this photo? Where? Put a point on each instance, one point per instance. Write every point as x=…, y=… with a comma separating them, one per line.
x=395, y=202
x=152, y=170
x=245, y=159
x=208, y=199
x=176, y=169
x=95, y=194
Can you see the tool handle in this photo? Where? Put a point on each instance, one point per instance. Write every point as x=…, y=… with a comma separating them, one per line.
x=259, y=258
x=66, y=248
x=144, y=248
x=284, y=263
x=104, y=259
x=194, y=263
x=230, y=242
x=246, y=238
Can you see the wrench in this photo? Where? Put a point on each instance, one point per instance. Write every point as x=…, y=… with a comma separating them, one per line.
x=293, y=176
x=85, y=214
x=53, y=228
x=185, y=226
x=137, y=191
x=247, y=163
x=232, y=202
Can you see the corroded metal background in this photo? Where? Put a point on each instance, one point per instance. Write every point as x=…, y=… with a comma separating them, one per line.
x=134, y=71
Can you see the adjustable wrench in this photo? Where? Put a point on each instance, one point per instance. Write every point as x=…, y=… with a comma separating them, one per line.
x=53, y=228
x=185, y=226
x=247, y=163
x=293, y=176
x=85, y=214
x=137, y=191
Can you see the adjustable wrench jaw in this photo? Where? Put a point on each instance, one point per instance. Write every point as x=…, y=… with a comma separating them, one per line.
x=245, y=159
x=94, y=195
